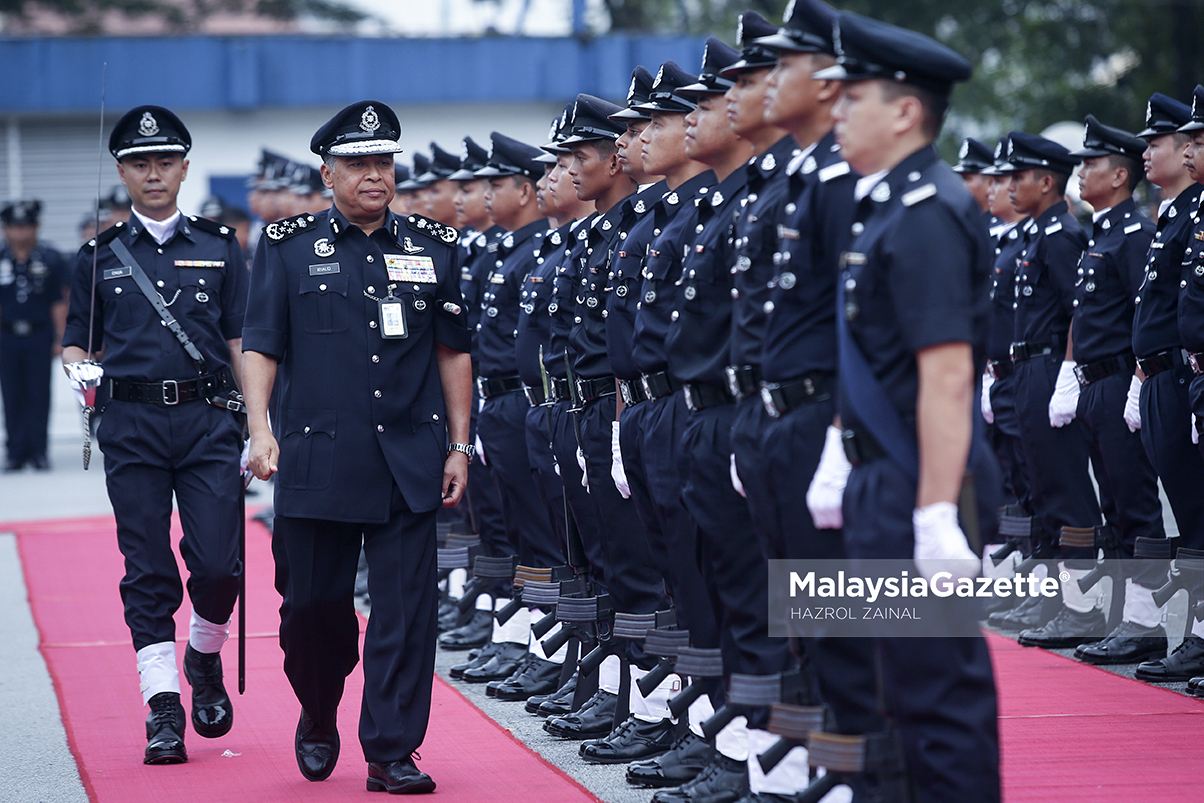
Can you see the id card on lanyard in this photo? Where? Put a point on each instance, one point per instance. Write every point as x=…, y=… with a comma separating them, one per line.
x=392, y=317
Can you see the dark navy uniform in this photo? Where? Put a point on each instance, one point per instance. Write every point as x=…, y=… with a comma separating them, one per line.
x=363, y=441
x=29, y=291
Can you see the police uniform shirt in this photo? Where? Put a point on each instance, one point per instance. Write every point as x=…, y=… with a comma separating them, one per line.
x=500, y=299
x=700, y=332
x=359, y=413
x=660, y=291
x=1109, y=273
x=564, y=291
x=199, y=273
x=756, y=241
x=1191, y=297
x=587, y=338
x=534, y=322
x=477, y=260
x=800, y=330
x=29, y=289
x=904, y=289
x=1009, y=246
x=1156, y=317
x=1045, y=277
x=626, y=266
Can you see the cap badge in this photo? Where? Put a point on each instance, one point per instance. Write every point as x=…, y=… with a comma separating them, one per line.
x=147, y=126
x=880, y=193
x=323, y=248
x=1149, y=112
x=369, y=121
x=965, y=150
x=408, y=246
x=631, y=91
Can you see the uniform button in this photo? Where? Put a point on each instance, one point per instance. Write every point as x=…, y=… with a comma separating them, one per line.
x=768, y=307
x=375, y=358
x=1076, y=302
x=321, y=287
x=370, y=259
x=1137, y=300
x=159, y=283
x=307, y=429
x=160, y=250
x=735, y=293
x=117, y=290
x=376, y=394
x=675, y=315
x=371, y=324
x=371, y=289
x=576, y=319
x=858, y=228
x=380, y=428
x=434, y=416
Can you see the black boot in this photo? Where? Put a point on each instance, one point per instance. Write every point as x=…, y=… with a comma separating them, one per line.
x=593, y=721
x=558, y=703
x=1129, y=643
x=475, y=658
x=540, y=677
x=634, y=740
x=1185, y=663
x=1020, y=617
x=165, y=730
x=685, y=759
x=474, y=634
x=212, y=711
x=1067, y=629
x=724, y=780
x=501, y=666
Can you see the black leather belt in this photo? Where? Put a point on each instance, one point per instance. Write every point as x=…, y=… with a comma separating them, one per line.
x=1037, y=348
x=1196, y=360
x=590, y=389
x=743, y=380
x=1090, y=372
x=659, y=384
x=780, y=398
x=558, y=390
x=632, y=391
x=861, y=447
x=535, y=395
x=998, y=369
x=169, y=392
x=1162, y=361
x=702, y=397
x=496, y=386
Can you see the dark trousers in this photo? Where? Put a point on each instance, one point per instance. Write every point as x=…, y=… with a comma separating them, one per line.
x=939, y=692
x=25, y=383
x=319, y=631
x=503, y=431
x=630, y=435
x=152, y=452
x=653, y=442
x=1062, y=493
x=1166, y=435
x=561, y=428
x=484, y=502
x=1128, y=485
x=547, y=481
x=1004, y=438
x=736, y=571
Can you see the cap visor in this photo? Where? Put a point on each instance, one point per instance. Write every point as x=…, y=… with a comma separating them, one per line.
x=545, y=158
x=463, y=175
x=780, y=41
x=836, y=72
x=367, y=147
x=1194, y=125
x=489, y=171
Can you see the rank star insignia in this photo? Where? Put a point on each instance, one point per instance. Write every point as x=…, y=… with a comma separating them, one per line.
x=369, y=120
x=148, y=126
x=880, y=193
x=408, y=246
x=323, y=248
x=769, y=163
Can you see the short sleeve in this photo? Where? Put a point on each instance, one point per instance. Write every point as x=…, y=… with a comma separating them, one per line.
x=81, y=306
x=451, y=318
x=234, y=292
x=265, y=325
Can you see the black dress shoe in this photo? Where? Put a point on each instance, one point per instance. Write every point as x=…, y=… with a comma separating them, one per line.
x=1067, y=629
x=474, y=634
x=212, y=711
x=317, y=748
x=501, y=666
x=1020, y=617
x=475, y=658
x=399, y=778
x=1129, y=643
x=634, y=740
x=165, y=730
x=724, y=780
x=540, y=677
x=492, y=686
x=593, y=721
x=556, y=704
x=1185, y=663
x=685, y=759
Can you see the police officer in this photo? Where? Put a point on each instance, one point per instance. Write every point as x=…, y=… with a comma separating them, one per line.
x=439, y=194
x=973, y=159
x=33, y=284
x=164, y=433
x=914, y=291
x=360, y=313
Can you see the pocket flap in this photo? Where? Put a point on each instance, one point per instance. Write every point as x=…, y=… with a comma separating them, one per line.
x=310, y=422
x=333, y=283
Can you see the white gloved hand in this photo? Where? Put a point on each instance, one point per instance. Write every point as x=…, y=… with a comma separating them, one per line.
x=1064, y=403
x=941, y=544
x=1133, y=405
x=581, y=462
x=85, y=376
x=1195, y=431
x=988, y=414
x=616, y=463
x=739, y=486
x=826, y=493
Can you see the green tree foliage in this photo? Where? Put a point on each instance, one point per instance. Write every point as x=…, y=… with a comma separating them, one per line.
x=181, y=15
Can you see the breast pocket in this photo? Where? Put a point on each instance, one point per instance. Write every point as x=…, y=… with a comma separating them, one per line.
x=419, y=307
x=307, y=449
x=200, y=291
x=705, y=284
x=325, y=308
x=124, y=305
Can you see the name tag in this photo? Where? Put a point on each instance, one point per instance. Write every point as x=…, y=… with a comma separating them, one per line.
x=410, y=269
x=200, y=263
x=324, y=269
x=117, y=273
x=392, y=319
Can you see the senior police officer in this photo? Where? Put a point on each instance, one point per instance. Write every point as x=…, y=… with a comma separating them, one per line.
x=912, y=314
x=360, y=313
x=33, y=284
x=164, y=433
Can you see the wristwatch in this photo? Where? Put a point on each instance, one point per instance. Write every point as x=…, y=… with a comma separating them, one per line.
x=466, y=448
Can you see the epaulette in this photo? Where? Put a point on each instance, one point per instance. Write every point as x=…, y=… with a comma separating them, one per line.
x=106, y=235
x=211, y=226
x=290, y=226
x=913, y=197
x=1133, y=227
x=433, y=228
x=834, y=171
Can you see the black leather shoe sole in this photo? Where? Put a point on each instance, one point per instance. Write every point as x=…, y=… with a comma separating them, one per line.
x=415, y=783
x=322, y=772
x=165, y=755
x=1130, y=654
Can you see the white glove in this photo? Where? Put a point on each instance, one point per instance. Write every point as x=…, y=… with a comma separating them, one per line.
x=941, y=544
x=826, y=493
x=481, y=450
x=988, y=414
x=1133, y=405
x=581, y=462
x=556, y=466
x=1195, y=432
x=616, y=463
x=85, y=377
x=1065, y=400
x=739, y=486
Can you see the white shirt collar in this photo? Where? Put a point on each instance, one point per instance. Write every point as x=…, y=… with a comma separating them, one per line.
x=867, y=183
x=161, y=230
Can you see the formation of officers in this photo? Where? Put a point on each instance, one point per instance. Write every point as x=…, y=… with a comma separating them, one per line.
x=748, y=315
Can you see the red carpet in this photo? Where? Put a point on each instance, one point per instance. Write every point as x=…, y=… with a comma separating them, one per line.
x=72, y=569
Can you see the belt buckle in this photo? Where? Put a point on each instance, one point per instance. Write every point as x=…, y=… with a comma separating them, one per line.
x=580, y=385
x=481, y=387
x=689, y=399
x=529, y=392
x=992, y=369
x=1081, y=375
x=732, y=375
x=625, y=392
x=172, y=398
x=771, y=408
x=647, y=386
x=1194, y=362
